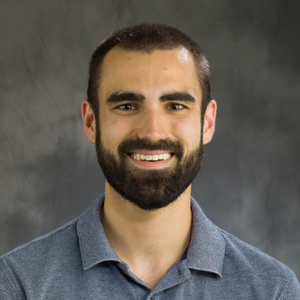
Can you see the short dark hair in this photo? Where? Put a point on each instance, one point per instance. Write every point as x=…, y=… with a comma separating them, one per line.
x=147, y=37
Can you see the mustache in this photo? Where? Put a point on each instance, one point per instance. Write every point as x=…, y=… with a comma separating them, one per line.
x=129, y=145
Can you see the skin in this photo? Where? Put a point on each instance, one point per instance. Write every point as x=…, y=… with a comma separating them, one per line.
x=150, y=242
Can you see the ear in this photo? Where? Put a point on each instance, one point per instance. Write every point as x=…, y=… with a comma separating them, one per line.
x=209, y=121
x=89, y=121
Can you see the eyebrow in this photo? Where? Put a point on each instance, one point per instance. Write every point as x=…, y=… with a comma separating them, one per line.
x=177, y=96
x=118, y=97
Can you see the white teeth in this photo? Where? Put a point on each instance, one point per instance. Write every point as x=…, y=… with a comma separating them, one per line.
x=155, y=157
x=167, y=156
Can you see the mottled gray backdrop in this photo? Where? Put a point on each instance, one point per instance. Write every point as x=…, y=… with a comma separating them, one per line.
x=249, y=183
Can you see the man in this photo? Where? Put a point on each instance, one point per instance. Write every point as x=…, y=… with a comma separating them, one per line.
x=149, y=112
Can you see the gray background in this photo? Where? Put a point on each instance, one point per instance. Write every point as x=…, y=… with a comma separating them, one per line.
x=249, y=183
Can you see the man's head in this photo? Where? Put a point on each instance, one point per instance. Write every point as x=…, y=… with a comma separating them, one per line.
x=147, y=37
x=148, y=128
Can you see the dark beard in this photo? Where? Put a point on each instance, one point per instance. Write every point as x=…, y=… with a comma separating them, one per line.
x=149, y=189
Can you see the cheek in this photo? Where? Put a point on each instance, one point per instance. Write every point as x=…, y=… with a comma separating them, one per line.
x=188, y=131
x=113, y=132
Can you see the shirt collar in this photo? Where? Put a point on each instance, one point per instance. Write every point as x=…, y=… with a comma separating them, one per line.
x=207, y=246
x=205, y=253
x=93, y=243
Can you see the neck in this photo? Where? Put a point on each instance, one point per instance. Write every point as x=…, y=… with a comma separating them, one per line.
x=150, y=242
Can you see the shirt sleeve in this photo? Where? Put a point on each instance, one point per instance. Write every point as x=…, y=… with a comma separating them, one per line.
x=291, y=290
x=9, y=287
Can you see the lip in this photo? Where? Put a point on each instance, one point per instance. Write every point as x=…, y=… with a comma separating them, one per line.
x=151, y=164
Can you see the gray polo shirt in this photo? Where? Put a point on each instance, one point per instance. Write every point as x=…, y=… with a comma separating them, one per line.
x=76, y=261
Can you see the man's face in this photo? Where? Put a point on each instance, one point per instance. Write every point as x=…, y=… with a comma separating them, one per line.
x=149, y=131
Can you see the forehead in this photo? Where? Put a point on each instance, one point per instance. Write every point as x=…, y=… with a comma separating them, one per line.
x=136, y=70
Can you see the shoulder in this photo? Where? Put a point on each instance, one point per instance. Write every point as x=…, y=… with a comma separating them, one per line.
x=233, y=257
x=29, y=261
x=250, y=265
x=248, y=257
x=45, y=243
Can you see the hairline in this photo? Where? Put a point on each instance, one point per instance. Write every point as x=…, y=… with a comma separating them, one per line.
x=128, y=49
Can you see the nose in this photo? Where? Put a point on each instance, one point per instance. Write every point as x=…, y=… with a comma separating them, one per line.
x=152, y=125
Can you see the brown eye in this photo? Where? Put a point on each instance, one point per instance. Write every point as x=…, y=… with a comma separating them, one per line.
x=176, y=107
x=127, y=107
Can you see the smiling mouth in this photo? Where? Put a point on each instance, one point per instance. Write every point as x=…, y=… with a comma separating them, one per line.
x=153, y=157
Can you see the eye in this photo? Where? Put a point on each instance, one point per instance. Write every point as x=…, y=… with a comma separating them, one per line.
x=175, y=106
x=126, y=107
